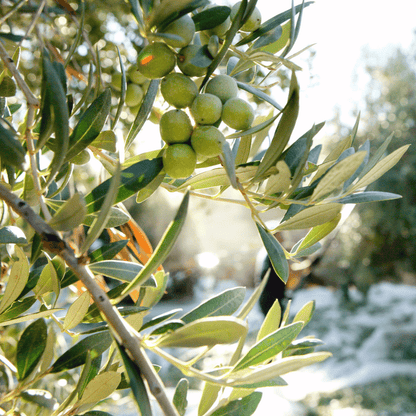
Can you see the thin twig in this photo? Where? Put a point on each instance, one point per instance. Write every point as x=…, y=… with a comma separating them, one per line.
x=128, y=338
x=33, y=22
x=12, y=11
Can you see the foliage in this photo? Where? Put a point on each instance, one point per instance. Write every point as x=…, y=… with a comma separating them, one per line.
x=52, y=215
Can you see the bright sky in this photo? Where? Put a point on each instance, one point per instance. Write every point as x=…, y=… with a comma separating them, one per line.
x=340, y=29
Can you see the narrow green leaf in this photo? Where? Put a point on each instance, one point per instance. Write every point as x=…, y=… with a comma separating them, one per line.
x=225, y=303
x=125, y=271
x=115, y=218
x=274, y=382
x=206, y=332
x=318, y=233
x=100, y=222
x=122, y=96
x=100, y=387
x=30, y=317
x=210, y=18
x=144, y=112
x=242, y=407
x=169, y=326
x=271, y=322
x=305, y=314
x=7, y=87
x=12, y=235
x=137, y=13
x=133, y=179
x=17, y=280
x=280, y=367
x=164, y=247
x=243, y=152
x=337, y=175
x=76, y=356
x=107, y=251
x=311, y=217
x=48, y=281
x=280, y=182
x=160, y=318
x=254, y=129
x=370, y=196
x=17, y=308
x=30, y=348
x=380, y=168
x=57, y=109
x=90, y=125
x=148, y=191
x=209, y=396
x=179, y=398
x=268, y=347
x=77, y=311
x=283, y=131
x=275, y=252
x=229, y=164
x=138, y=388
x=11, y=151
x=260, y=94
x=70, y=214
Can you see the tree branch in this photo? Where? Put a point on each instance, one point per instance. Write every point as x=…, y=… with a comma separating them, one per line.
x=53, y=243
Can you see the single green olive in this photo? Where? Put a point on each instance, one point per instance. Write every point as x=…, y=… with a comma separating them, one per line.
x=156, y=60
x=206, y=109
x=179, y=160
x=183, y=27
x=175, y=127
x=237, y=114
x=223, y=86
x=207, y=141
x=178, y=90
x=134, y=95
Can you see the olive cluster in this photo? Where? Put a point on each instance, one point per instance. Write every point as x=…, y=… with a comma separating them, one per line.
x=189, y=142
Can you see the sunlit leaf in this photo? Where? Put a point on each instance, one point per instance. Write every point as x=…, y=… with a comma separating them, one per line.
x=283, y=131
x=17, y=308
x=311, y=217
x=380, y=168
x=100, y=387
x=70, y=214
x=225, y=303
x=17, y=280
x=337, y=175
x=77, y=311
x=271, y=322
x=30, y=348
x=318, y=233
x=125, y=271
x=205, y=331
x=269, y=347
x=48, y=281
x=106, y=140
x=209, y=396
x=369, y=196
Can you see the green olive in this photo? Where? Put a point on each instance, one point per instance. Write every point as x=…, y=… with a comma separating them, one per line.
x=178, y=90
x=253, y=22
x=206, y=109
x=207, y=141
x=175, y=127
x=237, y=114
x=223, y=86
x=156, y=60
x=179, y=160
x=134, y=95
x=183, y=27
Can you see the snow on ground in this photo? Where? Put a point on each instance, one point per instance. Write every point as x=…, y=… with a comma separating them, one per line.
x=371, y=339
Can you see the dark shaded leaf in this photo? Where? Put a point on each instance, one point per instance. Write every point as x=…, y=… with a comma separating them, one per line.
x=77, y=355
x=107, y=251
x=138, y=388
x=11, y=151
x=30, y=348
x=260, y=94
x=132, y=180
x=17, y=308
x=179, y=398
x=168, y=326
x=276, y=253
x=7, y=87
x=210, y=18
x=160, y=318
x=39, y=397
x=90, y=125
x=12, y=235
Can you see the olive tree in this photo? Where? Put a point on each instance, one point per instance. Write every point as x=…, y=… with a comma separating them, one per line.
x=204, y=74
